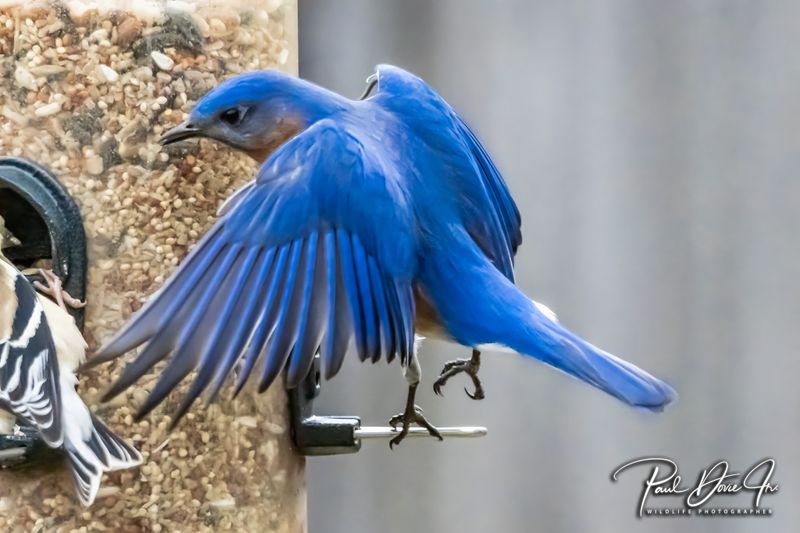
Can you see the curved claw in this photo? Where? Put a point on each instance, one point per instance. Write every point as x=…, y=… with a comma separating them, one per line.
x=435, y=433
x=74, y=302
x=469, y=367
x=478, y=394
x=396, y=440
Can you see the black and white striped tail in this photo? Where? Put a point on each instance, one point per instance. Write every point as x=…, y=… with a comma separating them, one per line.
x=97, y=451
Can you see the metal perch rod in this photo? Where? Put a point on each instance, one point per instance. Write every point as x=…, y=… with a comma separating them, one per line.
x=378, y=432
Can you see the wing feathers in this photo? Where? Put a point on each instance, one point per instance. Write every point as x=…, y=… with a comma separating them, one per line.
x=382, y=312
x=263, y=326
x=283, y=336
x=340, y=319
x=371, y=341
x=315, y=302
x=405, y=300
x=353, y=295
x=242, y=328
x=506, y=209
x=292, y=267
x=209, y=358
x=189, y=337
x=278, y=305
x=398, y=327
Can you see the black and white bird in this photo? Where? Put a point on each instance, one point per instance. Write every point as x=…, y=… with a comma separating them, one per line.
x=40, y=350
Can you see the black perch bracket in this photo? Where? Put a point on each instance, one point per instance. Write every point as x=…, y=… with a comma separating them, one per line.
x=315, y=434
x=331, y=435
x=41, y=214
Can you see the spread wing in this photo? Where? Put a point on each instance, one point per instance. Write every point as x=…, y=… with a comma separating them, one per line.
x=488, y=211
x=316, y=253
x=29, y=379
x=507, y=224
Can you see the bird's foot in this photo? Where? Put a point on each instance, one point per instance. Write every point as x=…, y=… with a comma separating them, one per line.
x=53, y=288
x=469, y=367
x=413, y=415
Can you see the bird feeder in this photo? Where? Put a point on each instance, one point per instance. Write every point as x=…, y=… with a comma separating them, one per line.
x=87, y=89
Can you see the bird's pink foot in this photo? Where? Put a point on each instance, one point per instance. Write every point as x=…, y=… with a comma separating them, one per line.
x=53, y=288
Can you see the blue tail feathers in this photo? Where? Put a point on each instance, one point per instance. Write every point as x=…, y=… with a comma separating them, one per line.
x=479, y=306
x=562, y=349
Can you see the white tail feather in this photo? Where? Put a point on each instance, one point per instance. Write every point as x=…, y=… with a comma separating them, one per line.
x=90, y=446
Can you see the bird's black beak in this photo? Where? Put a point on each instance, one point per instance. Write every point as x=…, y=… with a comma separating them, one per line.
x=184, y=130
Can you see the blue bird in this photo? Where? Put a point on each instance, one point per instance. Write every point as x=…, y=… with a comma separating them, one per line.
x=369, y=221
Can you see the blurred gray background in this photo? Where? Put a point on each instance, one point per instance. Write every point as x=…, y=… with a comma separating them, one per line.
x=653, y=148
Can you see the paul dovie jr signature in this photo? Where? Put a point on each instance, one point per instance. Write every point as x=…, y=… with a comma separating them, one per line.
x=664, y=479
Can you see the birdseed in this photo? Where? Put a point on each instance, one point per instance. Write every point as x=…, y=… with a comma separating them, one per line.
x=86, y=91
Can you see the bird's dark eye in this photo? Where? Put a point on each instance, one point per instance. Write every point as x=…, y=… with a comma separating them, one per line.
x=231, y=116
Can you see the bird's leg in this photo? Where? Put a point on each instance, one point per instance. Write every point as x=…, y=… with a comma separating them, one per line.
x=468, y=366
x=54, y=289
x=412, y=413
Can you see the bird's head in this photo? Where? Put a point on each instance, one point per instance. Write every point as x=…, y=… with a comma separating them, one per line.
x=256, y=112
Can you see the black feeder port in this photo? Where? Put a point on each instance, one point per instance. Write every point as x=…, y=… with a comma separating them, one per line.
x=39, y=211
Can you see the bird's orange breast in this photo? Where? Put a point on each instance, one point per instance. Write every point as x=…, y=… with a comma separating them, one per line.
x=428, y=321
